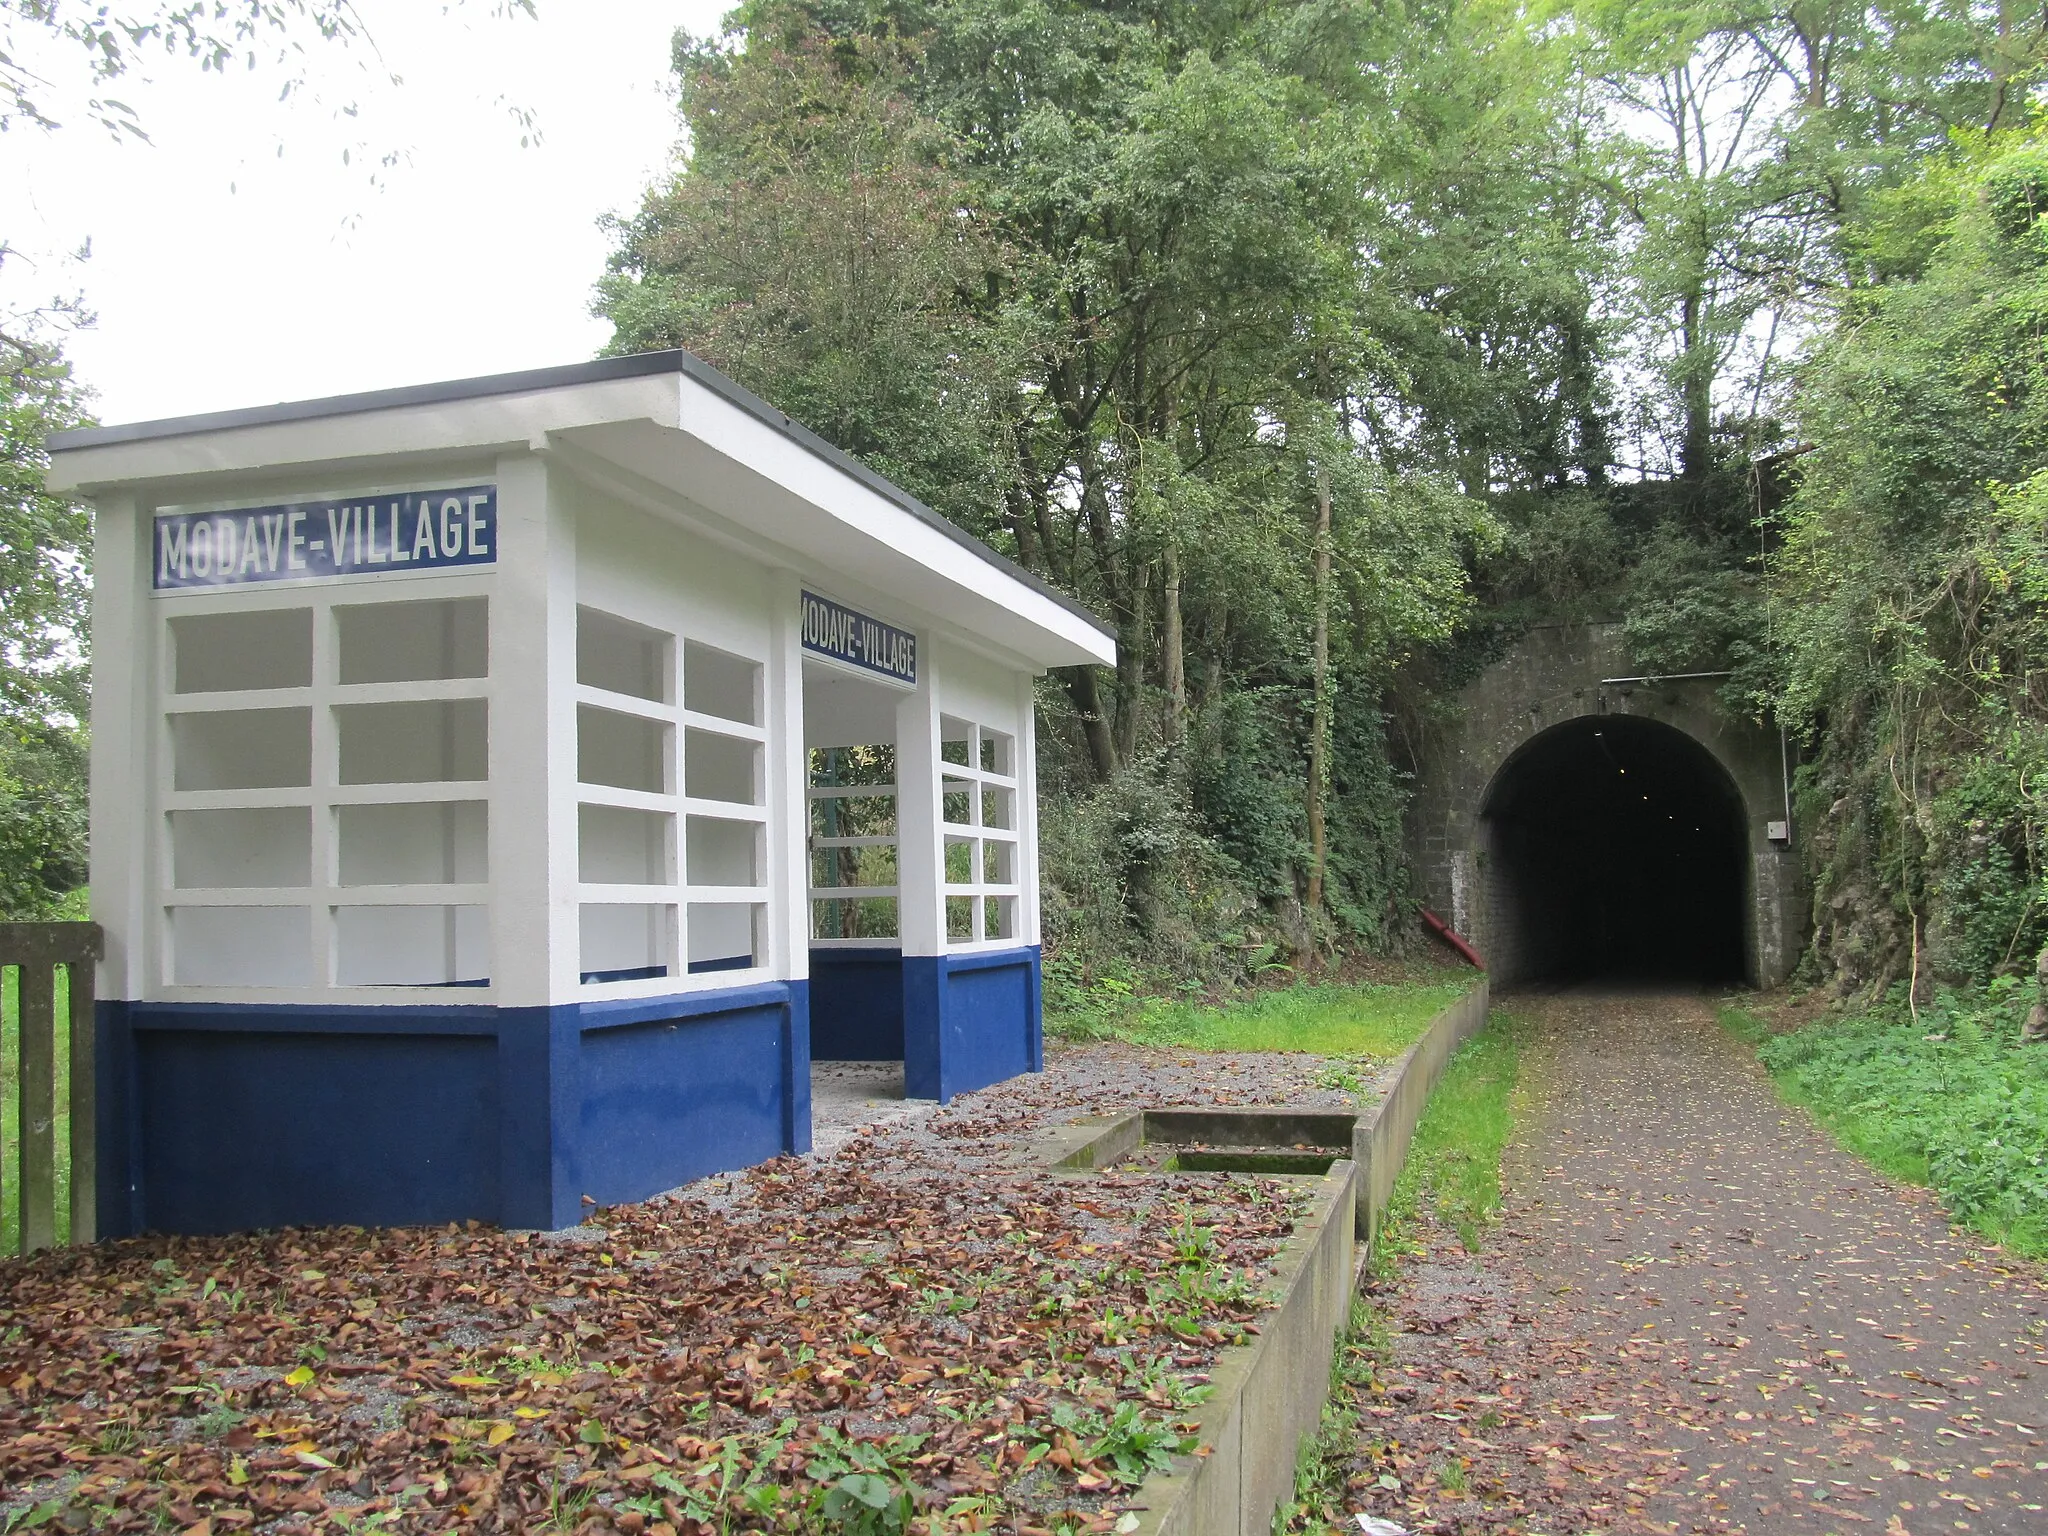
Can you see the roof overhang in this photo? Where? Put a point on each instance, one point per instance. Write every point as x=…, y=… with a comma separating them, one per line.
x=663, y=422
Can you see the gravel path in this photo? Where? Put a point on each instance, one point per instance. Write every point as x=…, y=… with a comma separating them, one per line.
x=1698, y=1314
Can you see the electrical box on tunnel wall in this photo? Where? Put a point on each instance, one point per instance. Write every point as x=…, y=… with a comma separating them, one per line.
x=493, y=783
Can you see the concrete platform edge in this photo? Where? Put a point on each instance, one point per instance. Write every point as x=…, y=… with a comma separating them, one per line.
x=1379, y=1145
x=1270, y=1392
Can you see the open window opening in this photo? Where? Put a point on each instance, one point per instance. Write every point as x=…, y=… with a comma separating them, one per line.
x=672, y=825
x=325, y=816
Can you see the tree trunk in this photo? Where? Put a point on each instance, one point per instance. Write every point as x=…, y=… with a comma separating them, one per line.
x=1581, y=386
x=1173, y=657
x=1696, y=392
x=1130, y=666
x=1319, y=729
x=1084, y=687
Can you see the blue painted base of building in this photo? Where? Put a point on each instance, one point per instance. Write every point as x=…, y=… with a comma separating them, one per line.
x=219, y=1117
x=223, y=1117
x=956, y=1022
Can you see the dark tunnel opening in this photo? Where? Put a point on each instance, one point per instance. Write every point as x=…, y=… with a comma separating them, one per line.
x=1617, y=849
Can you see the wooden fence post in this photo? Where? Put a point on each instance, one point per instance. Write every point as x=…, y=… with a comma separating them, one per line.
x=85, y=1139
x=36, y=950
x=36, y=1033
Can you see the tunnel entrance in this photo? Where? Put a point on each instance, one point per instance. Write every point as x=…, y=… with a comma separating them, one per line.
x=1616, y=848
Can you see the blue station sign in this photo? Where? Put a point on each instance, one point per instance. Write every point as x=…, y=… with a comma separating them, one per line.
x=316, y=540
x=840, y=633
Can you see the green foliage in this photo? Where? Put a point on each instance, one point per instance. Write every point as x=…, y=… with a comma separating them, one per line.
x=1133, y=1446
x=1135, y=896
x=2016, y=192
x=45, y=591
x=1091, y=281
x=1951, y=1099
x=1989, y=851
x=1277, y=334
x=1912, y=606
x=813, y=247
x=42, y=820
x=1246, y=787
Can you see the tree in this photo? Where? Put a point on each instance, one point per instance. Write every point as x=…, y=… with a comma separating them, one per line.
x=45, y=591
x=1096, y=283
x=819, y=244
x=1911, y=586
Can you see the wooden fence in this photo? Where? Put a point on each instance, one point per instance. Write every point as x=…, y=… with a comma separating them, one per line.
x=37, y=950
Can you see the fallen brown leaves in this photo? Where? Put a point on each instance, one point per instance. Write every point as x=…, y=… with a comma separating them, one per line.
x=1481, y=1410
x=818, y=1346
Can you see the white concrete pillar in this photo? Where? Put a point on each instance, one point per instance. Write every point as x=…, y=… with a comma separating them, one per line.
x=789, y=780
x=534, y=938
x=1028, y=925
x=920, y=847
x=127, y=735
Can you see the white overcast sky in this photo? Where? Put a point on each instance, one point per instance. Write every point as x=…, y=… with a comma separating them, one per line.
x=224, y=274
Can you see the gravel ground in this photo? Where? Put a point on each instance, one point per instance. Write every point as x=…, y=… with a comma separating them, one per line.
x=1698, y=1314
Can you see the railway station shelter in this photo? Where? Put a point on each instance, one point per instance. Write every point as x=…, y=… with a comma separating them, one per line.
x=503, y=789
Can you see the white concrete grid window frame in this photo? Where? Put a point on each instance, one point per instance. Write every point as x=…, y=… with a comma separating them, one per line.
x=672, y=813
x=322, y=789
x=978, y=810
x=835, y=906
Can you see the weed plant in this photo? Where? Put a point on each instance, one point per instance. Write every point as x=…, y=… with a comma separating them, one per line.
x=1951, y=1099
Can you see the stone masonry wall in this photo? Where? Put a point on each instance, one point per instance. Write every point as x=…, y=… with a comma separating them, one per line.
x=1553, y=675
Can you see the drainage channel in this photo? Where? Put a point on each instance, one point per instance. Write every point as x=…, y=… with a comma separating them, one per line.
x=1205, y=1140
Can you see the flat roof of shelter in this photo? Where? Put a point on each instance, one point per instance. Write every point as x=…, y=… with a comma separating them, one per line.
x=91, y=458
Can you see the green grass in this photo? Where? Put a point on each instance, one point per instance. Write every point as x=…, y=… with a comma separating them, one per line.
x=1378, y=1021
x=1952, y=1100
x=10, y=1111
x=1452, y=1173
x=1453, y=1167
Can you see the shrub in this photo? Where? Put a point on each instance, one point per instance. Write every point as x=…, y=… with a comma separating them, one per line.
x=1952, y=1099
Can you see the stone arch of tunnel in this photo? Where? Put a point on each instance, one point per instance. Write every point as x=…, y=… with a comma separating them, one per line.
x=1494, y=789
x=1616, y=847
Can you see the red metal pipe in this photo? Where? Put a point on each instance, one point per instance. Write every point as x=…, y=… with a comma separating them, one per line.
x=1451, y=937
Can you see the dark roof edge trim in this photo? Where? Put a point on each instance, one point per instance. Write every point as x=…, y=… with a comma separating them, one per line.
x=636, y=365
x=640, y=365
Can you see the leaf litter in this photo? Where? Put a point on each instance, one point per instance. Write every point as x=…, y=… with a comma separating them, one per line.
x=914, y=1331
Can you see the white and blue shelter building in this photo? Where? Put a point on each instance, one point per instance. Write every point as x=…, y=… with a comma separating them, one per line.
x=502, y=790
